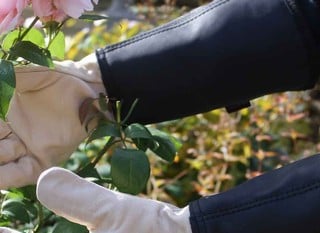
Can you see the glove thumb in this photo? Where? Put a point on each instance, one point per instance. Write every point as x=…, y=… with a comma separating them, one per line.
x=102, y=210
x=71, y=196
x=7, y=230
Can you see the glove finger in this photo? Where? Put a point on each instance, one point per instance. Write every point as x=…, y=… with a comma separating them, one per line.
x=19, y=173
x=11, y=148
x=75, y=198
x=4, y=129
x=7, y=230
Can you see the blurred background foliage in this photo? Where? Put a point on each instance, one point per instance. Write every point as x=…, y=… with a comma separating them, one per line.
x=219, y=150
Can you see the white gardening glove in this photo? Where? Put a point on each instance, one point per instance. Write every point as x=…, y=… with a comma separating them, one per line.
x=105, y=211
x=7, y=230
x=43, y=127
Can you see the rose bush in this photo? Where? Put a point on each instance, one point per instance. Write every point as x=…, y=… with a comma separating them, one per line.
x=52, y=10
x=24, y=43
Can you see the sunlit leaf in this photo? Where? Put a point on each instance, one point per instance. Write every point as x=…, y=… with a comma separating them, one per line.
x=57, y=46
x=33, y=53
x=34, y=36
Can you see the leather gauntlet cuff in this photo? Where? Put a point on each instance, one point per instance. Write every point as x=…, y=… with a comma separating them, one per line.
x=285, y=200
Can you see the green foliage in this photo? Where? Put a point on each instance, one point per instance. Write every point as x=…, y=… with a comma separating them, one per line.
x=57, y=46
x=34, y=46
x=130, y=170
x=165, y=145
x=136, y=131
x=104, y=129
x=7, y=73
x=34, y=36
x=68, y=227
x=7, y=85
x=32, y=53
x=130, y=167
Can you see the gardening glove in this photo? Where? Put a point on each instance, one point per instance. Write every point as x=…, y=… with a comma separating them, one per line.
x=7, y=230
x=105, y=211
x=43, y=126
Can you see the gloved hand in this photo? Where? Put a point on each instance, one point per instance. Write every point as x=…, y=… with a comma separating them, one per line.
x=43, y=126
x=105, y=211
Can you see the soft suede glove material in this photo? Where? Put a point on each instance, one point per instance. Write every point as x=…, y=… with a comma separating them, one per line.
x=43, y=126
x=105, y=211
x=7, y=230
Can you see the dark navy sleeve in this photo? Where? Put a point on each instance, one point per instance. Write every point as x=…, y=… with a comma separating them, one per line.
x=286, y=200
x=222, y=54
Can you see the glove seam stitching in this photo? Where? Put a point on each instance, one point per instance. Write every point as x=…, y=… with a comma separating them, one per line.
x=306, y=38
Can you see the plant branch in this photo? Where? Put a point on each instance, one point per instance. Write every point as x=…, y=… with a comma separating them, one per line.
x=51, y=39
x=106, y=147
x=35, y=20
x=40, y=217
x=130, y=111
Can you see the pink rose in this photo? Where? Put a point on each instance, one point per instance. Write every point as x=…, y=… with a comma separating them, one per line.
x=58, y=10
x=10, y=13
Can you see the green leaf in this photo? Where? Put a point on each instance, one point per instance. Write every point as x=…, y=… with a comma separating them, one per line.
x=7, y=73
x=33, y=53
x=58, y=46
x=68, y=227
x=166, y=148
x=34, y=36
x=141, y=136
x=89, y=171
x=7, y=85
x=91, y=17
x=77, y=159
x=130, y=170
x=137, y=131
x=29, y=192
x=160, y=143
x=144, y=144
x=104, y=129
x=132, y=107
x=15, y=209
